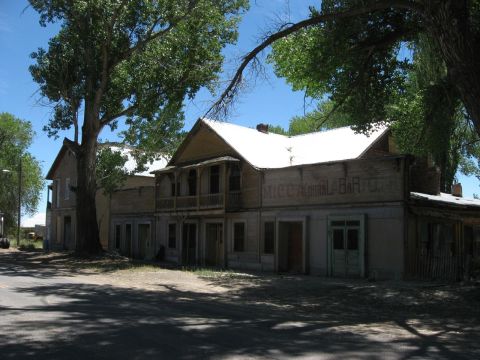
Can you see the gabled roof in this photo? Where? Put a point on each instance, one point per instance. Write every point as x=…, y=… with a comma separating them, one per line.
x=130, y=164
x=269, y=151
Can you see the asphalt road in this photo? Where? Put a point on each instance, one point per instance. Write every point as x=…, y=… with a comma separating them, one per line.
x=45, y=314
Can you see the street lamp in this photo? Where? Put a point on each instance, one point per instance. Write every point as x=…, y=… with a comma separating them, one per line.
x=19, y=197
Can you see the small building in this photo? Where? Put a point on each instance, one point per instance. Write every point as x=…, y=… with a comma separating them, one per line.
x=132, y=201
x=331, y=203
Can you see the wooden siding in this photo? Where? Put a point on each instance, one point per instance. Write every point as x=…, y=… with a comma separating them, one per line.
x=204, y=145
x=355, y=181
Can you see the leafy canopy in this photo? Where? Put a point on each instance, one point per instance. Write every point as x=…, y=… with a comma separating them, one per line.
x=15, y=137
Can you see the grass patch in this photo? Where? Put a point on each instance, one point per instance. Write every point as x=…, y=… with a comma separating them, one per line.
x=215, y=273
x=26, y=244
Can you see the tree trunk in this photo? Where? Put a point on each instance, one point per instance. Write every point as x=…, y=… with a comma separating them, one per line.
x=87, y=228
x=449, y=26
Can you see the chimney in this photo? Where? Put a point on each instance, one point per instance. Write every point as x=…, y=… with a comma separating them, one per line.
x=263, y=128
x=457, y=190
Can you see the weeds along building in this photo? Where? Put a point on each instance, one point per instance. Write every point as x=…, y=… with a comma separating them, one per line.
x=134, y=202
x=329, y=203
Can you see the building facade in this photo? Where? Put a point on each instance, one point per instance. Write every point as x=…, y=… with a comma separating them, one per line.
x=332, y=203
x=132, y=203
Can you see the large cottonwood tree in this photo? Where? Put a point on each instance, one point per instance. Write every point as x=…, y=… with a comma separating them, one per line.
x=352, y=47
x=133, y=59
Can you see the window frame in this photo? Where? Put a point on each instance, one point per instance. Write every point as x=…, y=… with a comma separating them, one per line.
x=169, y=237
x=244, y=223
x=264, y=237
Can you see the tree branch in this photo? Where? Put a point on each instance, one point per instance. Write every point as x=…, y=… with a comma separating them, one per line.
x=229, y=93
x=105, y=120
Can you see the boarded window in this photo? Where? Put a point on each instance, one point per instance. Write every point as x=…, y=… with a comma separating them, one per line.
x=269, y=237
x=214, y=179
x=239, y=237
x=172, y=236
x=234, y=180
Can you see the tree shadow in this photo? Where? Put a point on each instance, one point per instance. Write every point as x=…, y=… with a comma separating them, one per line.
x=86, y=320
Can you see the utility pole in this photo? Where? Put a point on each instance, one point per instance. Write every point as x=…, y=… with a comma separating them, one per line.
x=19, y=200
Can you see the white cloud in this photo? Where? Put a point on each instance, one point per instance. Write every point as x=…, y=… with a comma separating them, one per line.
x=37, y=219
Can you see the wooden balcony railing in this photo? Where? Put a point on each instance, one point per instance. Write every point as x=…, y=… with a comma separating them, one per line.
x=211, y=201
x=205, y=201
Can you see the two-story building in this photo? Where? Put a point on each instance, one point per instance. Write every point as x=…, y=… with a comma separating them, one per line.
x=133, y=204
x=329, y=203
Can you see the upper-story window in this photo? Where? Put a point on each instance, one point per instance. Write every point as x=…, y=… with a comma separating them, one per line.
x=67, y=189
x=234, y=180
x=57, y=193
x=192, y=183
x=214, y=179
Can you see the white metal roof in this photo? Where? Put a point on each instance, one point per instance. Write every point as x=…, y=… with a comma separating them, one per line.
x=131, y=164
x=446, y=199
x=268, y=150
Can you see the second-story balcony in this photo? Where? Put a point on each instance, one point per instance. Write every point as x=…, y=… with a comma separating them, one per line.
x=200, y=202
x=207, y=185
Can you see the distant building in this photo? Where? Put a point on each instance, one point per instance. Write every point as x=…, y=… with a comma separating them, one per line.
x=133, y=200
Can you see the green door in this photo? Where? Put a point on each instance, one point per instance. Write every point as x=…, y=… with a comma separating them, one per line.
x=346, y=241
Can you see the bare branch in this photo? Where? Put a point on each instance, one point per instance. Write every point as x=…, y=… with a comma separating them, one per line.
x=229, y=94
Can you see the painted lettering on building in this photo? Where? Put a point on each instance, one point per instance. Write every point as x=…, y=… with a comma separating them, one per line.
x=328, y=187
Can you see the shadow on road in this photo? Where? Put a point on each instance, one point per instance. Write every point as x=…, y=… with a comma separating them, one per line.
x=271, y=317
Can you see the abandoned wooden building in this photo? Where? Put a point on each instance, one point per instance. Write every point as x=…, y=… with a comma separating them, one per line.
x=134, y=202
x=332, y=203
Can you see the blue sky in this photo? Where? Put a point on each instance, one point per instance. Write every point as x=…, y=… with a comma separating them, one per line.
x=268, y=100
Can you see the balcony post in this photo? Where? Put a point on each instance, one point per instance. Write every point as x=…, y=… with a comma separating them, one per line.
x=225, y=185
x=199, y=177
x=176, y=190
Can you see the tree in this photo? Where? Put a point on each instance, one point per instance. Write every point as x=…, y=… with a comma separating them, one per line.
x=133, y=59
x=15, y=137
x=422, y=106
x=349, y=50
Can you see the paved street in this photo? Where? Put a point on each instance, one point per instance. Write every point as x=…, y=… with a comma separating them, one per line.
x=50, y=312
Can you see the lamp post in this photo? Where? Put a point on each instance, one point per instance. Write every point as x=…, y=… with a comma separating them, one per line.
x=19, y=198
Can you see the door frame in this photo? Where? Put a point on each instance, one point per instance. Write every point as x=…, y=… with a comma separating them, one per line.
x=362, y=240
x=197, y=245
x=300, y=219
x=203, y=244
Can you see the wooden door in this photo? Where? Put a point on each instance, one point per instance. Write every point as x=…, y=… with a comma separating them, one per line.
x=295, y=248
x=189, y=244
x=213, y=241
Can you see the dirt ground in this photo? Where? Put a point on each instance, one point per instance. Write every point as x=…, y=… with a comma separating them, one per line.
x=423, y=319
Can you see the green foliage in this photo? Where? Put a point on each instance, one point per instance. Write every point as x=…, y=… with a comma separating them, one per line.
x=380, y=67
x=111, y=173
x=15, y=137
x=136, y=59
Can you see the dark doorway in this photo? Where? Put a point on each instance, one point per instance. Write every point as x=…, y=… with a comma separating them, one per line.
x=189, y=244
x=67, y=233
x=143, y=240
x=290, y=247
x=128, y=240
x=213, y=244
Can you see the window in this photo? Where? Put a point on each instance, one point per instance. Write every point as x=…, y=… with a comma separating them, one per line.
x=234, y=181
x=57, y=196
x=67, y=189
x=192, y=183
x=172, y=236
x=239, y=237
x=214, y=179
x=118, y=235
x=269, y=237
x=128, y=239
